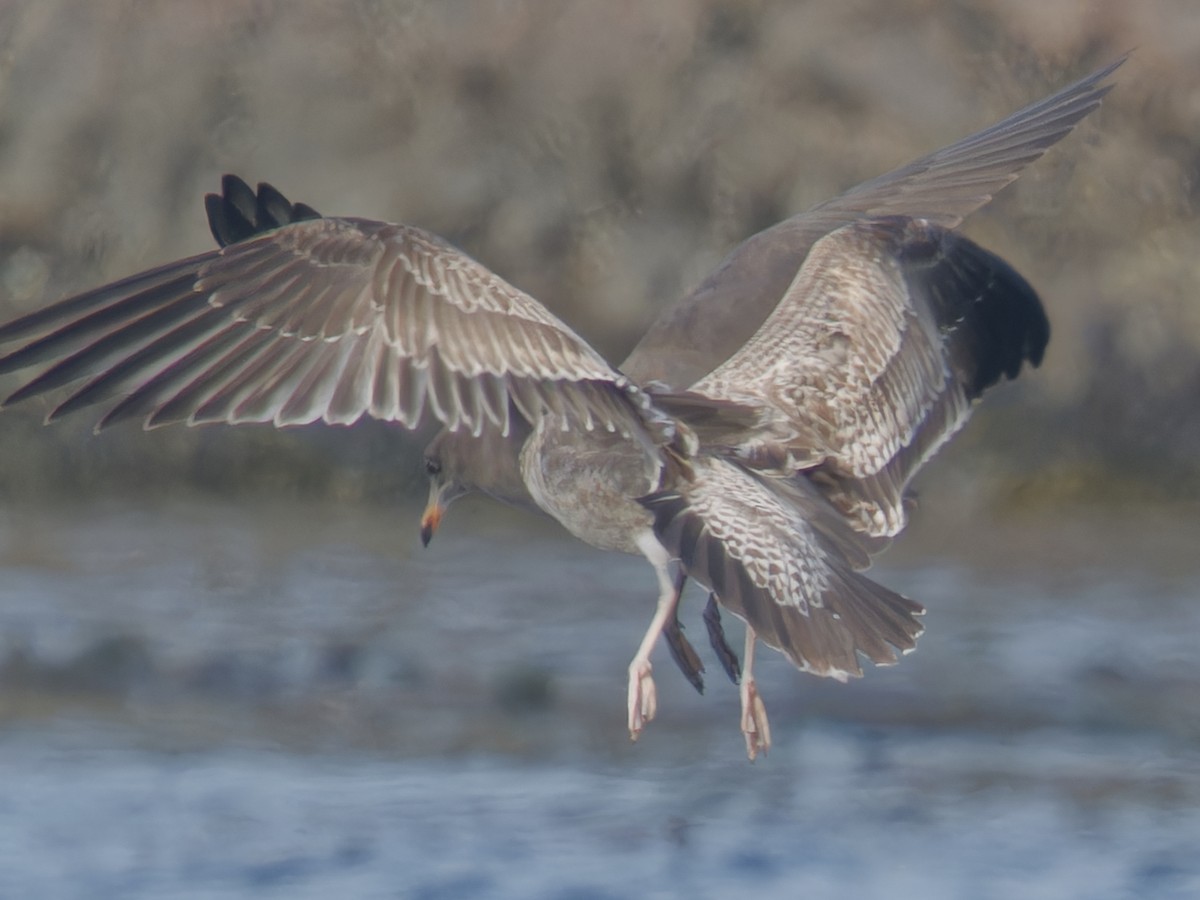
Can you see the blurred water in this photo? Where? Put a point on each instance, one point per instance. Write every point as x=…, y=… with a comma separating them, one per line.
x=217, y=701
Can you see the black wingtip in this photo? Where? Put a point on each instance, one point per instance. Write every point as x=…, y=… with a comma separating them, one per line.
x=271, y=208
x=992, y=317
x=239, y=212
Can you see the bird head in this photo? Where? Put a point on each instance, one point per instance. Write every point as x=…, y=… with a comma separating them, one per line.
x=459, y=462
x=444, y=489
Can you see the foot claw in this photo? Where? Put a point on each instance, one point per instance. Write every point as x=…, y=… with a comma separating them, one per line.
x=643, y=699
x=755, y=726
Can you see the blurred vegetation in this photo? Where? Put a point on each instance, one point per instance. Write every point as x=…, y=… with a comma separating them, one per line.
x=604, y=157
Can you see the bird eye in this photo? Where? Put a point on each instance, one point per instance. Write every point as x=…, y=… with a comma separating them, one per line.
x=432, y=467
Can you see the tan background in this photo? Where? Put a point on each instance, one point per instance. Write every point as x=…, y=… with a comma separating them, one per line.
x=604, y=156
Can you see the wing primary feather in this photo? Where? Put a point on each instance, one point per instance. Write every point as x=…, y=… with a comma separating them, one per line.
x=283, y=367
x=525, y=397
x=230, y=213
x=436, y=390
x=354, y=391
x=172, y=378
x=323, y=403
x=122, y=353
x=493, y=400
x=138, y=362
x=74, y=309
x=414, y=392
x=385, y=384
x=309, y=400
x=215, y=394
x=271, y=208
x=102, y=323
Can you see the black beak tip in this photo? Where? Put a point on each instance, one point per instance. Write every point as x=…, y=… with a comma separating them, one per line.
x=426, y=535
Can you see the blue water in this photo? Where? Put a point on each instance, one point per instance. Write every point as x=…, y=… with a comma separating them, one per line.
x=215, y=702
x=893, y=813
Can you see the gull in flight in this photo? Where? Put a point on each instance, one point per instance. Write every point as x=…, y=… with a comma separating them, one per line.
x=758, y=440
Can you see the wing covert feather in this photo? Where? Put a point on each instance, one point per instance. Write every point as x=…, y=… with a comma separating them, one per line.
x=871, y=360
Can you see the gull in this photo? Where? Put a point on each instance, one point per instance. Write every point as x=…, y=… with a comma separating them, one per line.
x=758, y=440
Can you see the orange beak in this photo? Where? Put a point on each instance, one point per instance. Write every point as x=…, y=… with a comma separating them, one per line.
x=432, y=517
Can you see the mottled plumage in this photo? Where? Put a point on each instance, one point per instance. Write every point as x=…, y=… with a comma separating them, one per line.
x=872, y=357
x=762, y=433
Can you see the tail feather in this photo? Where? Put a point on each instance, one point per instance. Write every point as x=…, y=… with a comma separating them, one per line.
x=790, y=581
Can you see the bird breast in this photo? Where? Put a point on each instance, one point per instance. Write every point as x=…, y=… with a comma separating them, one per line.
x=590, y=481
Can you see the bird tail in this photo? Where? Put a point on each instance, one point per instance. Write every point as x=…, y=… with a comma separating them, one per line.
x=782, y=566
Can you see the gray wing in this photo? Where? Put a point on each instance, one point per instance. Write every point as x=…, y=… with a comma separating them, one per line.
x=785, y=564
x=692, y=337
x=320, y=319
x=872, y=358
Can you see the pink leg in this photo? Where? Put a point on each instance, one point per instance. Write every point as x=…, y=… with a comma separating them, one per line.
x=755, y=726
x=643, y=698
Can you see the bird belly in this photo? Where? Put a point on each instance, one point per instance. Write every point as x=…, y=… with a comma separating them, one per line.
x=590, y=482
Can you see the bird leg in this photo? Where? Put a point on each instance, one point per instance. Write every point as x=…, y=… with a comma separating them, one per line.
x=643, y=698
x=754, y=713
x=716, y=637
x=682, y=651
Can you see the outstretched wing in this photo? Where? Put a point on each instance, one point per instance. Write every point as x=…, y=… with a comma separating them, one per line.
x=699, y=332
x=319, y=319
x=786, y=565
x=949, y=184
x=872, y=358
